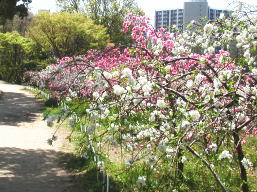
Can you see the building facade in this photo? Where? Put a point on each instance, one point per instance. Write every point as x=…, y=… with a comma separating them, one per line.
x=193, y=10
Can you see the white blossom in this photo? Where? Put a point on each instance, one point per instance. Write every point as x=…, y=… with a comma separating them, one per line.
x=225, y=155
x=208, y=28
x=118, y=90
x=106, y=112
x=185, y=124
x=222, y=16
x=254, y=71
x=170, y=151
x=136, y=101
x=246, y=163
x=141, y=72
x=193, y=22
x=107, y=75
x=211, y=50
x=136, y=87
x=234, y=14
x=189, y=84
x=226, y=74
x=167, y=68
x=132, y=81
x=195, y=115
x=207, y=98
x=95, y=94
x=199, y=77
x=180, y=102
x=247, y=54
x=142, y=80
x=217, y=84
x=147, y=87
x=161, y=103
x=240, y=116
x=240, y=5
x=73, y=93
x=252, y=29
x=213, y=147
x=116, y=73
x=127, y=72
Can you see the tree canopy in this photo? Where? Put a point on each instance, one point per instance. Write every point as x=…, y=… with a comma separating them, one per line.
x=65, y=34
x=109, y=13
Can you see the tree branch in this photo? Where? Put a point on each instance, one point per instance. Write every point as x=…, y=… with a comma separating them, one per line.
x=209, y=167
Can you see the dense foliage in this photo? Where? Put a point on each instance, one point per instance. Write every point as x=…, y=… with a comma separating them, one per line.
x=181, y=119
x=17, y=55
x=65, y=34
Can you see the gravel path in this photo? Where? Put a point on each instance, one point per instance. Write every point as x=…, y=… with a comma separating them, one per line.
x=27, y=162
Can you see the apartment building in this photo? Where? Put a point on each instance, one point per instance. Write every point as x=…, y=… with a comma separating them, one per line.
x=192, y=10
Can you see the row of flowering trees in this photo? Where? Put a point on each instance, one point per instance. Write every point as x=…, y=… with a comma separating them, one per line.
x=175, y=104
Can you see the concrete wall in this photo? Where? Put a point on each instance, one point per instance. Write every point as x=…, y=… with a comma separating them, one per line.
x=194, y=11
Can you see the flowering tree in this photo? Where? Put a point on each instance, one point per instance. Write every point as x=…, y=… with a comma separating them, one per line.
x=171, y=99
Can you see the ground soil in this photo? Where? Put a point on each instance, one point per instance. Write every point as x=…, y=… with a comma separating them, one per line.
x=27, y=162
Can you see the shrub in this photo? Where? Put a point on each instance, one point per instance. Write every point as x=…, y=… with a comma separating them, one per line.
x=16, y=56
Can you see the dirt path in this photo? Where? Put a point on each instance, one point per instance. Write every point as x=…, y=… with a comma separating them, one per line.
x=27, y=162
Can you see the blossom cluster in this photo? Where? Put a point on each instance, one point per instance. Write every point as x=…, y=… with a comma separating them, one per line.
x=160, y=97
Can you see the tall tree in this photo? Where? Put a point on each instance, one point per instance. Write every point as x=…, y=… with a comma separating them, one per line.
x=8, y=8
x=109, y=13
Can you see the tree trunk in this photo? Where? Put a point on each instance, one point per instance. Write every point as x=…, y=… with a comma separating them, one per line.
x=240, y=156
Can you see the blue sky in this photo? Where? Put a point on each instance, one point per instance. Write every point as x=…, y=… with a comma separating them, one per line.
x=149, y=6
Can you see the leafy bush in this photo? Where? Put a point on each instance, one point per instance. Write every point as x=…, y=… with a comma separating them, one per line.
x=17, y=55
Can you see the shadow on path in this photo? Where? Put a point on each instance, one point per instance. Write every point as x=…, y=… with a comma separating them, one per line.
x=26, y=108
x=31, y=171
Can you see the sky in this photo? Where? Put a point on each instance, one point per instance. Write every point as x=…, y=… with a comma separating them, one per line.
x=149, y=6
